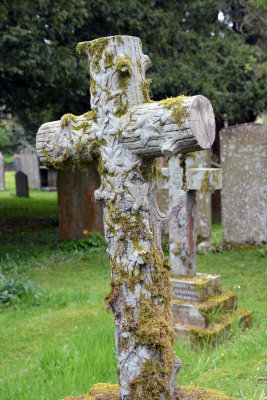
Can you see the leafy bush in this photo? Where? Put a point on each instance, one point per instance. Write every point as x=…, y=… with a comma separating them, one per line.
x=94, y=240
x=12, y=290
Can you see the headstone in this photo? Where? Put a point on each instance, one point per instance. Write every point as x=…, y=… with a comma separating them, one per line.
x=2, y=172
x=244, y=193
x=203, y=199
x=78, y=210
x=22, y=189
x=196, y=295
x=30, y=166
x=200, y=159
x=123, y=133
x=17, y=163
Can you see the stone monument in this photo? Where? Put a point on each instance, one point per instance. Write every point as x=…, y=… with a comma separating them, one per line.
x=123, y=133
x=30, y=166
x=244, y=193
x=2, y=172
x=78, y=210
x=22, y=189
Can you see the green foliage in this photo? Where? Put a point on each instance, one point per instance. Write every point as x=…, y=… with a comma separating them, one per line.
x=11, y=290
x=95, y=239
x=192, y=52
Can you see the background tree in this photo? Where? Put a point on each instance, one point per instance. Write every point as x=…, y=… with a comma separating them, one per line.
x=201, y=46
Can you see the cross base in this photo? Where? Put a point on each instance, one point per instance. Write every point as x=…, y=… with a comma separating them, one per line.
x=202, y=312
x=108, y=391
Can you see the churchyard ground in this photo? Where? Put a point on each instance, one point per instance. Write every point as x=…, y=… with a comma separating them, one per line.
x=57, y=340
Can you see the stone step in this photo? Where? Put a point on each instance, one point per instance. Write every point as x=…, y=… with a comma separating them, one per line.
x=198, y=336
x=197, y=288
x=201, y=314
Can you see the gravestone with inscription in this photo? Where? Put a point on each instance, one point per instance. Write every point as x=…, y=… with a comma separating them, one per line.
x=2, y=172
x=123, y=133
x=78, y=211
x=196, y=295
x=244, y=193
x=22, y=188
x=30, y=166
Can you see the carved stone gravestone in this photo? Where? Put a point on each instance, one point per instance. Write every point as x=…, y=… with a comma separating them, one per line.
x=196, y=295
x=30, y=166
x=78, y=211
x=244, y=193
x=123, y=132
x=2, y=172
x=22, y=189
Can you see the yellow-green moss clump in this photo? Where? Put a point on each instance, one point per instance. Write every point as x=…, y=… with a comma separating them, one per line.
x=145, y=90
x=108, y=391
x=95, y=48
x=179, y=110
x=66, y=118
x=123, y=67
x=108, y=60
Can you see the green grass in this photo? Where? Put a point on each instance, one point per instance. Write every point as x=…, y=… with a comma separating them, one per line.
x=58, y=340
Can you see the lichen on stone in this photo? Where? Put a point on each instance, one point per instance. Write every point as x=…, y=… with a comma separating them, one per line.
x=66, y=118
x=95, y=49
x=145, y=90
x=179, y=110
x=123, y=67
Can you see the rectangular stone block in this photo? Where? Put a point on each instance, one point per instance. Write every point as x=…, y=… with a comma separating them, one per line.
x=244, y=192
x=197, y=288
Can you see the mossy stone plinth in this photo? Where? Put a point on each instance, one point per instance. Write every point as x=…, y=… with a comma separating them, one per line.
x=201, y=314
x=194, y=335
x=196, y=288
x=107, y=391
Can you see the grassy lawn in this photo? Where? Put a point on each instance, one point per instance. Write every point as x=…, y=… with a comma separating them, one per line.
x=58, y=340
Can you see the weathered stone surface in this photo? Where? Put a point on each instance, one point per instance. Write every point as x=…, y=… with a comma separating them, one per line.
x=244, y=193
x=2, y=172
x=197, y=288
x=123, y=132
x=22, y=189
x=203, y=200
x=200, y=314
x=78, y=210
x=30, y=166
x=194, y=335
x=17, y=163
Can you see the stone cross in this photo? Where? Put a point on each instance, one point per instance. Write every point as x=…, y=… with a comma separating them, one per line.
x=123, y=133
x=183, y=184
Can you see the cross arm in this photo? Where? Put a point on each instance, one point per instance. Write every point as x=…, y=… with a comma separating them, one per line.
x=69, y=140
x=168, y=127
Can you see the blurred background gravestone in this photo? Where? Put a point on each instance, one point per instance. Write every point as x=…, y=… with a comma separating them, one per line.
x=244, y=192
x=48, y=178
x=2, y=172
x=22, y=188
x=17, y=162
x=78, y=210
x=30, y=166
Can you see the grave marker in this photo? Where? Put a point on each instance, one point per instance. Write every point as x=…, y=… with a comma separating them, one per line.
x=2, y=172
x=78, y=211
x=30, y=166
x=123, y=133
x=244, y=193
x=22, y=189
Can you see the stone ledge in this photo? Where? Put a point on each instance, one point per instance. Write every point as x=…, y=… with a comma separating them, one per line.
x=197, y=288
x=108, y=391
x=200, y=314
x=194, y=335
